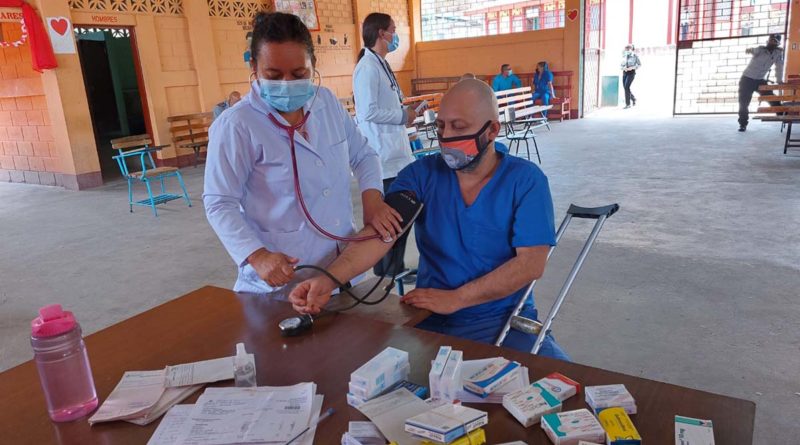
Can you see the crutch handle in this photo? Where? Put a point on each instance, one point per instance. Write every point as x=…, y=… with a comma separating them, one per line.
x=592, y=212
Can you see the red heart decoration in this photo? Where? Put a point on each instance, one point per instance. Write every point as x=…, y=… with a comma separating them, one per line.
x=572, y=15
x=59, y=25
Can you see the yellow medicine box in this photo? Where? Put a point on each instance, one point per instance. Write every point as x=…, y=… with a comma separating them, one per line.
x=619, y=427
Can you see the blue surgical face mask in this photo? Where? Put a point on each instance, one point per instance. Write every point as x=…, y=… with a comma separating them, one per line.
x=285, y=95
x=395, y=43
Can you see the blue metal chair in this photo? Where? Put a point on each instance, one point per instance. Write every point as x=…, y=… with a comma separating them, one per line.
x=141, y=148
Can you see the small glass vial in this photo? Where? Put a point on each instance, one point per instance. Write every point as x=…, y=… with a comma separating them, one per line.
x=244, y=368
x=63, y=365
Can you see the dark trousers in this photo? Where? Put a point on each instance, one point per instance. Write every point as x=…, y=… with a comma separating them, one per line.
x=627, y=80
x=392, y=263
x=747, y=87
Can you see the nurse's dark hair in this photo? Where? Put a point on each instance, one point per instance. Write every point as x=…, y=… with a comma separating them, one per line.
x=279, y=27
x=373, y=24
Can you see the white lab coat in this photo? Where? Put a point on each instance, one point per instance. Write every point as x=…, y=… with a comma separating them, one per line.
x=380, y=115
x=249, y=191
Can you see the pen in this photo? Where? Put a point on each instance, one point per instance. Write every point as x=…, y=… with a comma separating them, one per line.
x=324, y=416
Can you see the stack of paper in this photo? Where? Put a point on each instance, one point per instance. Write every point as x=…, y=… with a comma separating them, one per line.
x=260, y=415
x=608, y=396
x=143, y=396
x=363, y=433
x=390, y=412
x=377, y=375
x=519, y=380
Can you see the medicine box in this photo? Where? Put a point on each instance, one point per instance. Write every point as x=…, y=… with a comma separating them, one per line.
x=437, y=366
x=560, y=385
x=570, y=427
x=386, y=383
x=446, y=423
x=609, y=396
x=619, y=427
x=374, y=374
x=475, y=437
x=529, y=404
x=495, y=374
x=689, y=431
x=450, y=381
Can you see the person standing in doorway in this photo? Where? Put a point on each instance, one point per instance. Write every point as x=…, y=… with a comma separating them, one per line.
x=506, y=80
x=380, y=113
x=630, y=63
x=755, y=75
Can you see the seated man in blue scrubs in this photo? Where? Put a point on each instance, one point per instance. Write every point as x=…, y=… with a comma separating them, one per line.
x=483, y=233
x=506, y=80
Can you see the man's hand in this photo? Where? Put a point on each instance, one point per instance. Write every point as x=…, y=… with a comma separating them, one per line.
x=438, y=301
x=311, y=295
x=382, y=217
x=275, y=268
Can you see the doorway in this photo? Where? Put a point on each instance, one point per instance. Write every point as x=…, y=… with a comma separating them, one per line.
x=593, y=42
x=113, y=81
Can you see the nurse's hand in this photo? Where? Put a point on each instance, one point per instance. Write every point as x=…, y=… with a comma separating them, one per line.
x=311, y=295
x=438, y=301
x=411, y=115
x=382, y=217
x=275, y=268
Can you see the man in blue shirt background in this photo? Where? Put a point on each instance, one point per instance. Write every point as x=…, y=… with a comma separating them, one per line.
x=483, y=234
x=506, y=80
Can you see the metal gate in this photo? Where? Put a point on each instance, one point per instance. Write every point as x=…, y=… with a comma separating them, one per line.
x=592, y=52
x=712, y=37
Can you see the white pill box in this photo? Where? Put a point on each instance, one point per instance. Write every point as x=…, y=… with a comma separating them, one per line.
x=492, y=376
x=529, y=404
x=450, y=381
x=689, y=431
x=570, y=427
x=379, y=370
x=437, y=367
x=560, y=385
x=609, y=396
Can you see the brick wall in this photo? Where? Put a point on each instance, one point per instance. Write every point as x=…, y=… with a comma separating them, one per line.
x=27, y=150
x=708, y=75
x=398, y=9
x=173, y=43
x=335, y=11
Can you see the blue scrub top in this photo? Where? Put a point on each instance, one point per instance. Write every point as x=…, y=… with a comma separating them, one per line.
x=458, y=244
x=540, y=81
x=501, y=83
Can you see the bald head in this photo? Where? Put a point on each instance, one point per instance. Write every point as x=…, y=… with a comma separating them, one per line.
x=471, y=97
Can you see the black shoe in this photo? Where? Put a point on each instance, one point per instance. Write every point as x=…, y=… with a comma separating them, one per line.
x=634, y=101
x=626, y=107
x=742, y=128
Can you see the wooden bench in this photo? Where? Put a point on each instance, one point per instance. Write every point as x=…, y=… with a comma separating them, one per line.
x=191, y=131
x=787, y=113
x=520, y=117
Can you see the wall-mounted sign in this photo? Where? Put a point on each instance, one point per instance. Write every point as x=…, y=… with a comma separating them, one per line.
x=10, y=15
x=60, y=30
x=305, y=9
x=104, y=18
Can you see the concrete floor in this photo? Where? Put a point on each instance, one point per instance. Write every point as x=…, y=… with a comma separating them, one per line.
x=694, y=282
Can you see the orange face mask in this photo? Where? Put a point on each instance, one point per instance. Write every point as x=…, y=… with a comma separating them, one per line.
x=460, y=152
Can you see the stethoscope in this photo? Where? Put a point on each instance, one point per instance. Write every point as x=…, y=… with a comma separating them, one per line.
x=290, y=131
x=390, y=75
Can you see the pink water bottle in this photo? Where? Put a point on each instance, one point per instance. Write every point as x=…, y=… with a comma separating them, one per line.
x=60, y=356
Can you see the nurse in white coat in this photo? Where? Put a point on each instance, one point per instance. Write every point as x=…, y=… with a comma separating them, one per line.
x=250, y=191
x=380, y=112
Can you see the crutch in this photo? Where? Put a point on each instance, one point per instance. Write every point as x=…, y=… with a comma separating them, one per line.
x=515, y=321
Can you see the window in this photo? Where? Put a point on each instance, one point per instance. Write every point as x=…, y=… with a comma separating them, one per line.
x=455, y=19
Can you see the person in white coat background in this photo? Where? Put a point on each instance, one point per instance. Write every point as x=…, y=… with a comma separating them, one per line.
x=251, y=183
x=380, y=112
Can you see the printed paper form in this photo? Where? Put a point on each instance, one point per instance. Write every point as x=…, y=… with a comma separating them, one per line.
x=170, y=397
x=230, y=415
x=135, y=393
x=171, y=426
x=206, y=371
x=389, y=414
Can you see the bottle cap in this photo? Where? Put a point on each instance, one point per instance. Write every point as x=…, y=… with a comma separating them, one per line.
x=52, y=321
x=240, y=349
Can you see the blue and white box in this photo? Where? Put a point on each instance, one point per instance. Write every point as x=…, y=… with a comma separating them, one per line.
x=495, y=374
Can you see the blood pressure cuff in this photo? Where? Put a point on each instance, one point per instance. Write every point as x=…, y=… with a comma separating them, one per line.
x=407, y=205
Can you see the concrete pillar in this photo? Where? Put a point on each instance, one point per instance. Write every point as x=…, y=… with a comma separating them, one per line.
x=792, y=46
x=572, y=48
x=68, y=108
x=203, y=52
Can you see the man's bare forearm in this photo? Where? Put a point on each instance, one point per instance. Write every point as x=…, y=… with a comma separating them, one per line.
x=510, y=277
x=359, y=256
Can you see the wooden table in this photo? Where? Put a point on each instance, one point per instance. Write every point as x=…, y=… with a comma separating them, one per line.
x=207, y=323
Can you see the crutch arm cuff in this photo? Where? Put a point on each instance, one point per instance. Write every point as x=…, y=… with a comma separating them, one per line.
x=592, y=212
